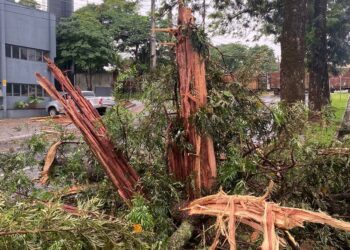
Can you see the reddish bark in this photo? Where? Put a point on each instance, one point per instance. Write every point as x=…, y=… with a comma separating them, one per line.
x=200, y=162
x=88, y=121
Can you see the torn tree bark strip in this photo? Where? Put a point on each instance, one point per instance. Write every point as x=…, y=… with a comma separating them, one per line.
x=88, y=121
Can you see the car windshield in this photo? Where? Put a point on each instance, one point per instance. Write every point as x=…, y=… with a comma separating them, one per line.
x=88, y=94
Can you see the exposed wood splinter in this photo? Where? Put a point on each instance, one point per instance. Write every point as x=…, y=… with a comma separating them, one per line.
x=260, y=215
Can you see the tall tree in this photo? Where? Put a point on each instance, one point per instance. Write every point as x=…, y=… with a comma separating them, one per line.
x=84, y=42
x=318, y=65
x=293, y=51
x=273, y=15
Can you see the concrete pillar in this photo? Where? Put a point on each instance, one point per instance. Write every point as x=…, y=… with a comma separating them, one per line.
x=52, y=39
x=3, y=55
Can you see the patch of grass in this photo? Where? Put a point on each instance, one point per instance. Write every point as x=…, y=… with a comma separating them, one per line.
x=323, y=132
x=338, y=102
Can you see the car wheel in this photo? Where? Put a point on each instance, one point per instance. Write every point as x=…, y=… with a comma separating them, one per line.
x=53, y=112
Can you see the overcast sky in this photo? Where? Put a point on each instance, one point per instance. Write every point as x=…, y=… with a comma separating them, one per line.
x=246, y=38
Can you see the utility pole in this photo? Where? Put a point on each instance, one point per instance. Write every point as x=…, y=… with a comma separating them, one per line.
x=204, y=13
x=153, y=62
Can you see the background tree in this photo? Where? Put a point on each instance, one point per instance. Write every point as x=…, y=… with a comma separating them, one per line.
x=293, y=51
x=236, y=55
x=84, y=42
x=29, y=3
x=319, y=95
x=271, y=13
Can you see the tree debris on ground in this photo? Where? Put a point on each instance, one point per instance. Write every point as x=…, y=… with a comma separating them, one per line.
x=49, y=159
x=255, y=212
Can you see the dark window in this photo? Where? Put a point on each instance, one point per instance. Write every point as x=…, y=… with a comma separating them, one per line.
x=24, y=55
x=47, y=54
x=24, y=90
x=9, y=89
x=31, y=90
x=16, y=89
x=39, y=55
x=31, y=54
x=45, y=93
x=39, y=90
x=8, y=50
x=15, y=51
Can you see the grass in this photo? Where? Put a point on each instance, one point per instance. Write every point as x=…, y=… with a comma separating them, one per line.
x=324, y=132
x=339, y=101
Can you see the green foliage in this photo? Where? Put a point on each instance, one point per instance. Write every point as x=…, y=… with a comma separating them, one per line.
x=140, y=213
x=232, y=14
x=199, y=39
x=142, y=139
x=36, y=225
x=84, y=41
x=32, y=101
x=29, y=3
x=236, y=56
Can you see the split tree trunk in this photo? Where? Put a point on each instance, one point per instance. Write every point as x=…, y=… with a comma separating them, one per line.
x=198, y=163
x=293, y=51
x=88, y=121
x=319, y=87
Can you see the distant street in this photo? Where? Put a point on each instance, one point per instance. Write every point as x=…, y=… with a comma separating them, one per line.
x=14, y=131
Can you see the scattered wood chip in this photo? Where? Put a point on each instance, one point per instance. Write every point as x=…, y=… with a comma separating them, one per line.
x=49, y=159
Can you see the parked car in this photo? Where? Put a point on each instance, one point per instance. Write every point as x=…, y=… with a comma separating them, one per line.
x=100, y=103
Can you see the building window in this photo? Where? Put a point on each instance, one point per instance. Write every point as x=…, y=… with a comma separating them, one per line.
x=31, y=90
x=39, y=55
x=24, y=55
x=45, y=93
x=46, y=54
x=24, y=90
x=31, y=54
x=16, y=89
x=15, y=52
x=8, y=50
x=39, y=91
x=9, y=89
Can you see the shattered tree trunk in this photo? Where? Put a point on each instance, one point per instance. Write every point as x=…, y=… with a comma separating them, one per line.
x=88, y=121
x=198, y=163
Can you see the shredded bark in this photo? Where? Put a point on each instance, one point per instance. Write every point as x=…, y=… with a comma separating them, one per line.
x=259, y=214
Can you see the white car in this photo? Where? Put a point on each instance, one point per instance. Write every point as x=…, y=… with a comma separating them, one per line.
x=100, y=103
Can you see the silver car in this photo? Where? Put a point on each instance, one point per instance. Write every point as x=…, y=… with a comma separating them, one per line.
x=100, y=103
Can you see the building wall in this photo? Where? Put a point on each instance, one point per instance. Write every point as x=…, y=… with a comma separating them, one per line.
x=102, y=83
x=27, y=28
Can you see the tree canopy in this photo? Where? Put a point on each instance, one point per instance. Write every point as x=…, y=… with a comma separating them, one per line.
x=83, y=42
x=235, y=56
x=29, y=3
